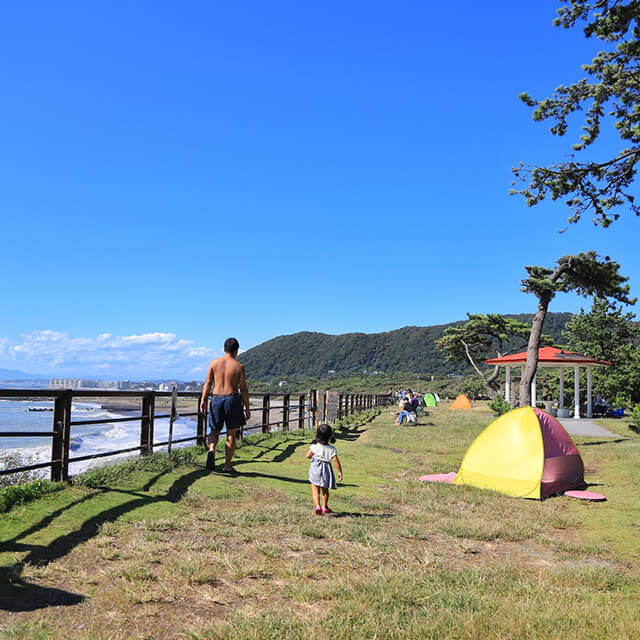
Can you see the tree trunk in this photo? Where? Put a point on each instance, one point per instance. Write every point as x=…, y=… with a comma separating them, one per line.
x=530, y=367
x=491, y=392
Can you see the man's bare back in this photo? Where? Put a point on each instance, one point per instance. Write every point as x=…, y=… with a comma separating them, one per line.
x=226, y=375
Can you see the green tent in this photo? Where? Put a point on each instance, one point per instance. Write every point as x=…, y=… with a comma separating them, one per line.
x=430, y=400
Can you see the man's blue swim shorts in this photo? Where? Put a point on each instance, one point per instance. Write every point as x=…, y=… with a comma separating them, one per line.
x=227, y=410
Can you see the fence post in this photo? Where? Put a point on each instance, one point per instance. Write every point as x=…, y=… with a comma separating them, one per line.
x=301, y=411
x=57, y=443
x=340, y=396
x=146, y=424
x=266, y=411
x=67, y=398
x=201, y=428
x=285, y=412
x=313, y=407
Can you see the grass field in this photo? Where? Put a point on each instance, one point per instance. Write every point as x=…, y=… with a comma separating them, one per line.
x=172, y=551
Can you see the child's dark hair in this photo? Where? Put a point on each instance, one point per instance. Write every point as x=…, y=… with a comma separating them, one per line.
x=324, y=435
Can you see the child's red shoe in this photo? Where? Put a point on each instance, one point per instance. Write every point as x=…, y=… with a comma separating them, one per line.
x=318, y=511
x=327, y=510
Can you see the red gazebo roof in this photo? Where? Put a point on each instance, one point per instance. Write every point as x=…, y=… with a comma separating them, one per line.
x=550, y=356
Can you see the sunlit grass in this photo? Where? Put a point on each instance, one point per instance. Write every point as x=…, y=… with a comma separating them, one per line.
x=172, y=551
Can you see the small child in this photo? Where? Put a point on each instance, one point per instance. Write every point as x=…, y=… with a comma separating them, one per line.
x=321, y=476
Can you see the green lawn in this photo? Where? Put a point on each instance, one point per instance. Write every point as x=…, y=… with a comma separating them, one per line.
x=182, y=553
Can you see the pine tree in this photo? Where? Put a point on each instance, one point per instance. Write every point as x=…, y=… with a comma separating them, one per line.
x=611, y=90
x=584, y=274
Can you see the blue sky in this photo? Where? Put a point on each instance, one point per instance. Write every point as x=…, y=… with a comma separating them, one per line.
x=175, y=173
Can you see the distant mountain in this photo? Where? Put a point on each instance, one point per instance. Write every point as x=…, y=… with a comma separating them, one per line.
x=406, y=350
x=13, y=374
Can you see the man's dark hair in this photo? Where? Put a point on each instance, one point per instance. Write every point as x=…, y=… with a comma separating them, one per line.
x=231, y=345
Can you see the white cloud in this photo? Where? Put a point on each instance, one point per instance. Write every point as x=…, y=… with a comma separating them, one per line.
x=148, y=355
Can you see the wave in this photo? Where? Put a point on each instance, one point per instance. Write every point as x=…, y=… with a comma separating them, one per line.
x=116, y=431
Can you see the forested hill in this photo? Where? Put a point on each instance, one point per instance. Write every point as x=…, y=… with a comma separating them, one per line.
x=410, y=349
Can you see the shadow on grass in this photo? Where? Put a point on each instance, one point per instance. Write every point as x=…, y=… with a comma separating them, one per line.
x=19, y=595
x=152, y=481
x=357, y=514
x=591, y=444
x=263, y=450
x=289, y=451
x=349, y=434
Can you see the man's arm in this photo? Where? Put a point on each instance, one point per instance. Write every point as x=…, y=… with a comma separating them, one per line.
x=208, y=383
x=245, y=393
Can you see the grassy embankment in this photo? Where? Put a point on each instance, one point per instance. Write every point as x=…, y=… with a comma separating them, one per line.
x=176, y=552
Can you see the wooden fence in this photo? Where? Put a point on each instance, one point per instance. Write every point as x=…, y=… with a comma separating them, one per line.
x=314, y=407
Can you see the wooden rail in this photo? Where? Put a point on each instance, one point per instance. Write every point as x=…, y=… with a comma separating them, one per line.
x=305, y=407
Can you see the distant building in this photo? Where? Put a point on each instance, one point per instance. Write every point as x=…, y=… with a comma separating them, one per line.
x=168, y=386
x=123, y=385
x=81, y=383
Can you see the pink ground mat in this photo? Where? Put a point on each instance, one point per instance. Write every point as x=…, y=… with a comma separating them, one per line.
x=585, y=495
x=440, y=477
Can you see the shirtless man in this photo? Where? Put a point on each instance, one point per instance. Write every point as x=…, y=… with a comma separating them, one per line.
x=226, y=402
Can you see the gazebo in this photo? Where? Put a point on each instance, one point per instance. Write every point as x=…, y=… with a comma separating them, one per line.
x=551, y=357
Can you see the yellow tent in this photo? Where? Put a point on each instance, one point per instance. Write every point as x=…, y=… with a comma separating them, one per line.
x=461, y=402
x=524, y=453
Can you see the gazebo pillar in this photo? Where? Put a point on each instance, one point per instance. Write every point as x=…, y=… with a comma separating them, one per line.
x=561, y=404
x=589, y=390
x=576, y=393
x=533, y=392
x=507, y=384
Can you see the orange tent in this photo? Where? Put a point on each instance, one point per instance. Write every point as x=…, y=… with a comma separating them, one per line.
x=461, y=402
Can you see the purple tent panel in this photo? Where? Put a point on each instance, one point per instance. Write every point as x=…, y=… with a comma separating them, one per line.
x=563, y=468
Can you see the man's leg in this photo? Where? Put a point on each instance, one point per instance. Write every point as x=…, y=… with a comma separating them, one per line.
x=211, y=456
x=212, y=424
x=231, y=448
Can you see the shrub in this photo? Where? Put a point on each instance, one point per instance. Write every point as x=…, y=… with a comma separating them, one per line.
x=499, y=405
x=621, y=400
x=21, y=493
x=635, y=418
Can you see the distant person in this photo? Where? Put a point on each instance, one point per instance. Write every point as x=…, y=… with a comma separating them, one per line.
x=405, y=409
x=226, y=407
x=321, y=475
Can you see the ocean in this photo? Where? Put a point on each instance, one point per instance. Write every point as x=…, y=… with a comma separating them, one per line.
x=33, y=416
